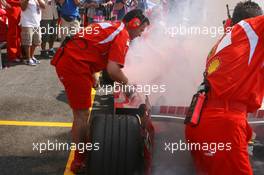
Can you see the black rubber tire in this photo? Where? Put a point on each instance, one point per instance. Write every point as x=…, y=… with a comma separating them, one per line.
x=121, y=146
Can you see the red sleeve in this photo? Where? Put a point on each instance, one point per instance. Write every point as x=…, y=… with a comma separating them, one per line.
x=119, y=48
x=14, y=3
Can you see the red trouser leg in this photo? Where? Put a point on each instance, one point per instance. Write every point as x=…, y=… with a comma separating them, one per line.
x=18, y=53
x=223, y=137
x=79, y=156
x=13, y=39
x=77, y=80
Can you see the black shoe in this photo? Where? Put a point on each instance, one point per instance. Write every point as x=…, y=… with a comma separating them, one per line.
x=44, y=53
x=52, y=52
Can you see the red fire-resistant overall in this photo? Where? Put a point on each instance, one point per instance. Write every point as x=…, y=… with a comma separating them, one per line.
x=13, y=34
x=88, y=53
x=235, y=71
x=2, y=24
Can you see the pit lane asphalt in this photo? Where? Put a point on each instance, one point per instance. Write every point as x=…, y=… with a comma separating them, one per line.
x=34, y=94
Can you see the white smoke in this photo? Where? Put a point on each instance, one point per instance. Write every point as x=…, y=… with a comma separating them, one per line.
x=177, y=60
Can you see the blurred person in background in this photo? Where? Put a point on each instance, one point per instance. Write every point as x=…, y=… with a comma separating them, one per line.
x=143, y=5
x=70, y=17
x=121, y=7
x=13, y=10
x=91, y=7
x=3, y=28
x=98, y=10
x=3, y=25
x=49, y=29
x=30, y=28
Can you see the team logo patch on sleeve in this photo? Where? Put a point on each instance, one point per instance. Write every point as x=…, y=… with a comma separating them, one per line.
x=213, y=66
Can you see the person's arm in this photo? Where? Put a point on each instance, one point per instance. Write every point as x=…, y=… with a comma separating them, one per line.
x=116, y=57
x=96, y=80
x=77, y=2
x=24, y=4
x=115, y=72
x=5, y=4
x=42, y=4
x=60, y=1
x=134, y=3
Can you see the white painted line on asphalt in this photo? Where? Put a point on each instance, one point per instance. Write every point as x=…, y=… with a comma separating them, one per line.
x=168, y=117
x=181, y=118
x=256, y=122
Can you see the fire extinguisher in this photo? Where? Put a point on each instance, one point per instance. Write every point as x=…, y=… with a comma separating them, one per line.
x=193, y=115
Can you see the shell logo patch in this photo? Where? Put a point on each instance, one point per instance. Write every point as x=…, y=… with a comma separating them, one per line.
x=213, y=66
x=137, y=23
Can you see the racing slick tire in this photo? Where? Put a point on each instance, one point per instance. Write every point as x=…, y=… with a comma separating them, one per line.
x=121, y=146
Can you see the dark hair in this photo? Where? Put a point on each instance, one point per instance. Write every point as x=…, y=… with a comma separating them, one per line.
x=244, y=10
x=136, y=13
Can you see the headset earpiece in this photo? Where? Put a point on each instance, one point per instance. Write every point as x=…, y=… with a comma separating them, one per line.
x=134, y=23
